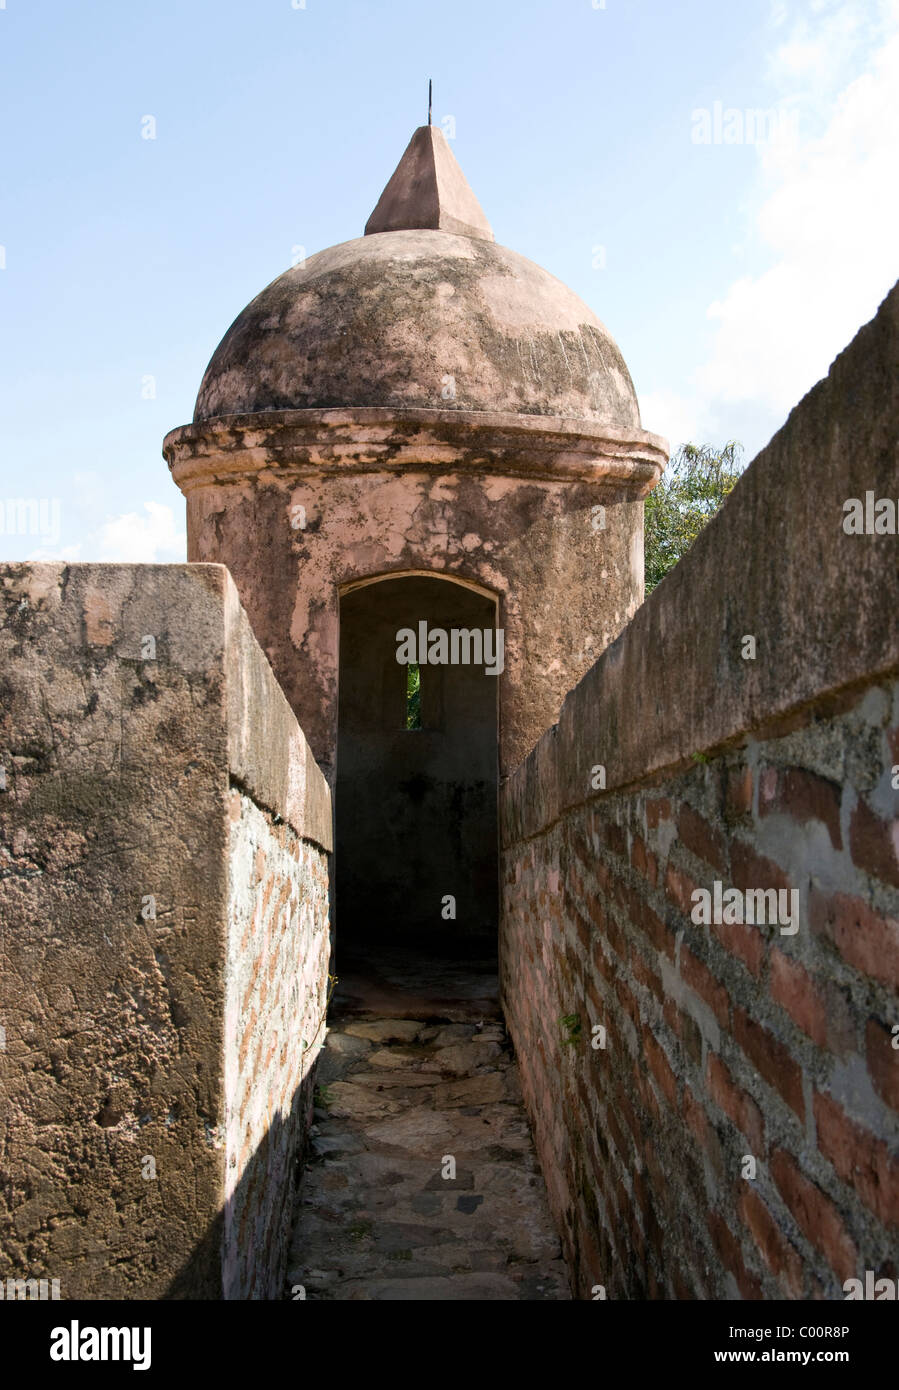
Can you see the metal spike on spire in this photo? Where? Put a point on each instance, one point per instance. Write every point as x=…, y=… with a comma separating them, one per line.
x=430, y=98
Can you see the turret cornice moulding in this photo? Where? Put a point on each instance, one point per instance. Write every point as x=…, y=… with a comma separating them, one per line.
x=290, y=443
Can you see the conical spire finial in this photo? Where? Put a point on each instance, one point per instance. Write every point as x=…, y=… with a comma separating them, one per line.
x=429, y=190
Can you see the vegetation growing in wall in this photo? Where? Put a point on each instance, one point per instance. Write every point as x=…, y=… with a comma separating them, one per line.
x=323, y=1098
x=571, y=1029
x=413, y=696
x=693, y=487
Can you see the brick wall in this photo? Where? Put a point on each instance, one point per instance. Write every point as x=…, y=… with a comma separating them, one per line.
x=722, y=1041
x=737, y=1136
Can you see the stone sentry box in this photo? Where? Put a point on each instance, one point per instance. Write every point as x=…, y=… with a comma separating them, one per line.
x=421, y=400
x=164, y=834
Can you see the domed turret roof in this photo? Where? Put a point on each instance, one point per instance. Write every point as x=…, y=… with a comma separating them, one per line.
x=424, y=311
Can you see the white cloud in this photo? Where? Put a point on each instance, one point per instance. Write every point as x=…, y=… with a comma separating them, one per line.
x=136, y=539
x=825, y=216
x=131, y=538
x=823, y=44
x=66, y=553
x=680, y=419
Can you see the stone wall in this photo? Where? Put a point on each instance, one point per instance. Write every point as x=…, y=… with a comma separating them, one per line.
x=278, y=955
x=734, y=1130
x=147, y=750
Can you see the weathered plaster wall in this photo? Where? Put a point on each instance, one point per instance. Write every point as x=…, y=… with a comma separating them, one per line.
x=119, y=762
x=565, y=587
x=723, y=1041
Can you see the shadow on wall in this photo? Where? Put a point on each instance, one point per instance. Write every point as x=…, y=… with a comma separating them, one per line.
x=416, y=798
x=243, y=1254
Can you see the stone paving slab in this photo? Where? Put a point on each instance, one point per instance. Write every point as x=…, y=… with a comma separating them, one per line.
x=377, y=1219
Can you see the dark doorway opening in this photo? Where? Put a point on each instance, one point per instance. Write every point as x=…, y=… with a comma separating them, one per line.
x=416, y=795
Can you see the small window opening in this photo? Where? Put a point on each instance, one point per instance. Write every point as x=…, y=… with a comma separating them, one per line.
x=413, y=696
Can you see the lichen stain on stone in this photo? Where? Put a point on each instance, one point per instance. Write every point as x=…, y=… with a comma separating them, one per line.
x=365, y=326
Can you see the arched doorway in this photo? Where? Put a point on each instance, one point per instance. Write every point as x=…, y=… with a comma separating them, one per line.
x=416, y=794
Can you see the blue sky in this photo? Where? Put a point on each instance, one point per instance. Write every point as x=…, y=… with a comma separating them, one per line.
x=729, y=272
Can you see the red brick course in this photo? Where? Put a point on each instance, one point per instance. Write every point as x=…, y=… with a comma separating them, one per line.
x=721, y=1038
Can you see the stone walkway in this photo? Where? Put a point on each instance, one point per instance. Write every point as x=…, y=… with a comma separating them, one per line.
x=423, y=1183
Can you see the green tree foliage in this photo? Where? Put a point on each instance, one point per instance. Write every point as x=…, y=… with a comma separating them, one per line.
x=413, y=696
x=693, y=486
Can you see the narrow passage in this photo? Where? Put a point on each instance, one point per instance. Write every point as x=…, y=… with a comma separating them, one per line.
x=423, y=1183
